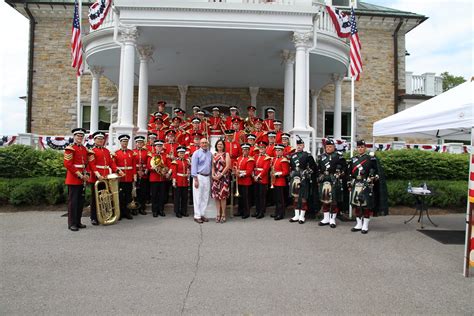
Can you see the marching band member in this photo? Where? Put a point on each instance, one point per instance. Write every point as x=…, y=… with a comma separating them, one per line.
x=195, y=128
x=277, y=125
x=216, y=124
x=171, y=145
x=302, y=166
x=269, y=121
x=280, y=168
x=243, y=172
x=180, y=175
x=271, y=144
x=261, y=172
x=75, y=161
x=331, y=165
x=164, y=116
x=203, y=125
x=151, y=142
x=158, y=128
x=288, y=150
x=259, y=132
x=251, y=118
x=234, y=114
x=140, y=155
x=124, y=160
x=232, y=146
x=253, y=151
x=239, y=134
x=196, y=108
x=159, y=169
x=101, y=164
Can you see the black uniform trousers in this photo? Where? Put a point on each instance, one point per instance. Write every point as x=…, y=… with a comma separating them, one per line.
x=279, y=201
x=158, y=197
x=244, y=206
x=125, y=196
x=76, y=197
x=181, y=200
x=93, y=203
x=260, y=198
x=142, y=192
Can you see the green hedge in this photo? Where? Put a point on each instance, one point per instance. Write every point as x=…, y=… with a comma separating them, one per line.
x=19, y=161
x=446, y=193
x=33, y=191
x=417, y=164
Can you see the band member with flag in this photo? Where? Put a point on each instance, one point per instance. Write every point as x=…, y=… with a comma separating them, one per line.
x=180, y=172
x=101, y=164
x=234, y=114
x=303, y=167
x=269, y=121
x=75, y=161
x=332, y=166
x=159, y=169
x=280, y=168
x=368, y=188
x=140, y=155
x=261, y=172
x=243, y=171
x=124, y=160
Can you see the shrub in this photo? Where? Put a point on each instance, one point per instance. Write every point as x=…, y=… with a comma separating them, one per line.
x=446, y=194
x=19, y=161
x=418, y=164
x=33, y=191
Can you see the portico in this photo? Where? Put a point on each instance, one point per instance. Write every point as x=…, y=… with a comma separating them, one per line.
x=178, y=43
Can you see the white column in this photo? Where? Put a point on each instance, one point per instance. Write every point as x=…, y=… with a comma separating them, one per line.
x=96, y=72
x=302, y=43
x=289, y=60
x=337, y=105
x=183, y=90
x=429, y=83
x=408, y=82
x=314, y=119
x=129, y=36
x=145, y=53
x=253, y=96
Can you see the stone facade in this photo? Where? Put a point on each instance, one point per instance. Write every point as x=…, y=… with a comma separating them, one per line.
x=54, y=84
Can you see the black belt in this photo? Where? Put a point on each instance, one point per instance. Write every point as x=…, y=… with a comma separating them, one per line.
x=204, y=175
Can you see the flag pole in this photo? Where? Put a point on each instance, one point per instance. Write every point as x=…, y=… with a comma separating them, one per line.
x=78, y=77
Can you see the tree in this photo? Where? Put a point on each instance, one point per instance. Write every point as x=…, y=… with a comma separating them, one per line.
x=450, y=81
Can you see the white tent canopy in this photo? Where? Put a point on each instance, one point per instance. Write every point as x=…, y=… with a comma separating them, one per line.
x=449, y=115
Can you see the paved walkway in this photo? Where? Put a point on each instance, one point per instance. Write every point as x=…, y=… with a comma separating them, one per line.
x=173, y=266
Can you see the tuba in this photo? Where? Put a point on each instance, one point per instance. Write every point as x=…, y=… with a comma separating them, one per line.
x=107, y=200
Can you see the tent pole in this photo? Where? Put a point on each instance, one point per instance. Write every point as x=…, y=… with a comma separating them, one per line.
x=467, y=245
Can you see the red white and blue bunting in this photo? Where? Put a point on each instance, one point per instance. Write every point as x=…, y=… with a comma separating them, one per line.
x=97, y=13
x=7, y=140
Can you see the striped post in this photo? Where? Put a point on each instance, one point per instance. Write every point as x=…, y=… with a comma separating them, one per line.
x=469, y=246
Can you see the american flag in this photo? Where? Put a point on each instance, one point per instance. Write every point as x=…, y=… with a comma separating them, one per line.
x=76, y=41
x=356, y=59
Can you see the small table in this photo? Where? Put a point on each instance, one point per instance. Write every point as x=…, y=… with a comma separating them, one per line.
x=420, y=194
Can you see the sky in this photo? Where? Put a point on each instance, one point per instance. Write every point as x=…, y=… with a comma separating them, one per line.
x=444, y=42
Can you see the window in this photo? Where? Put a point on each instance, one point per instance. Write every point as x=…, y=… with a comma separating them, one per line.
x=104, y=117
x=343, y=3
x=329, y=124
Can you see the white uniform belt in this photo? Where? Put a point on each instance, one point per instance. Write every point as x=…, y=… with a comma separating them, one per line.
x=138, y=166
x=79, y=166
x=215, y=130
x=259, y=169
x=181, y=175
x=125, y=168
x=102, y=167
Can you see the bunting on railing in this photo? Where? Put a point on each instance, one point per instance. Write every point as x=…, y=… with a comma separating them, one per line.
x=97, y=13
x=341, y=22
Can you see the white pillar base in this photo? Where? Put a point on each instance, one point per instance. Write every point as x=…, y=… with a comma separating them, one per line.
x=304, y=133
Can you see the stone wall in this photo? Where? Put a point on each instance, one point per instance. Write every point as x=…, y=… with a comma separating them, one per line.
x=54, y=80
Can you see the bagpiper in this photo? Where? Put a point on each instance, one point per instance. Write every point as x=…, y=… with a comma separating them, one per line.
x=101, y=165
x=331, y=165
x=365, y=175
x=302, y=168
x=124, y=160
x=180, y=172
x=75, y=161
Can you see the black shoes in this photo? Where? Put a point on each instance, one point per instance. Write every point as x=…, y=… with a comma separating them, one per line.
x=155, y=214
x=81, y=225
x=73, y=228
x=356, y=230
x=259, y=216
x=279, y=217
x=273, y=216
x=185, y=215
x=323, y=224
x=162, y=214
x=301, y=222
x=293, y=220
x=128, y=216
x=143, y=212
x=94, y=222
x=178, y=215
x=254, y=215
x=134, y=212
x=245, y=216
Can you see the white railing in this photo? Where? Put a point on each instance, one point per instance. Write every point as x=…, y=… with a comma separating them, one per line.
x=325, y=24
x=425, y=84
